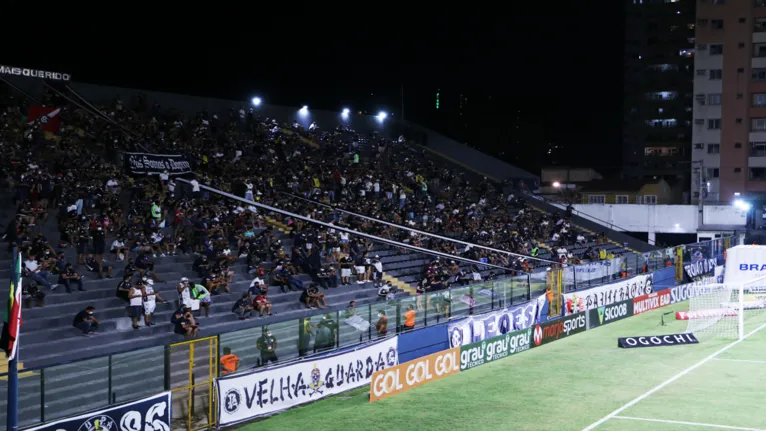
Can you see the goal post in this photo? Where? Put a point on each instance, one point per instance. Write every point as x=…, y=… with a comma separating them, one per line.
x=726, y=310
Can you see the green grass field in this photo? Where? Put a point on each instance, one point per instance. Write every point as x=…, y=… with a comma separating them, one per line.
x=572, y=384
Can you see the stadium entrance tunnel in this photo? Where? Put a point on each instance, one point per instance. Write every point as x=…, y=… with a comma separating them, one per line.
x=190, y=371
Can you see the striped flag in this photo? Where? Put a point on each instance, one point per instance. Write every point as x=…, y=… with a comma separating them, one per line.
x=12, y=326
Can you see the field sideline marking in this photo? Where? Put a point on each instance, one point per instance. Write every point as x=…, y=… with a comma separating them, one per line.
x=670, y=380
x=741, y=360
x=728, y=427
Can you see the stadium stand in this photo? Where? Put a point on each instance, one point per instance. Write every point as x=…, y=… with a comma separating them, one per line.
x=386, y=179
x=69, y=187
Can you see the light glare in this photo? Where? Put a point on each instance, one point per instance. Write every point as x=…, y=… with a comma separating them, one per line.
x=256, y=101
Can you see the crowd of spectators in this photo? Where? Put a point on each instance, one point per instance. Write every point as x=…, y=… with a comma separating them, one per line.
x=73, y=177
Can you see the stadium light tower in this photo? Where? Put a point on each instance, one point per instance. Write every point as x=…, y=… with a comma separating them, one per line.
x=256, y=101
x=345, y=113
x=304, y=111
x=381, y=116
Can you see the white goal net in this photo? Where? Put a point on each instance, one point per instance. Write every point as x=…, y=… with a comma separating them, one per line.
x=727, y=310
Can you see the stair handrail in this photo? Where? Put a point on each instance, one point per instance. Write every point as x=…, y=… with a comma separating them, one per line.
x=418, y=231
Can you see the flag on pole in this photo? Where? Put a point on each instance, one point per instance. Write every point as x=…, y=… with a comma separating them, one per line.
x=12, y=326
x=48, y=116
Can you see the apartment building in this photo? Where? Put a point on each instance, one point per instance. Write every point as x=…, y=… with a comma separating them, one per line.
x=659, y=69
x=729, y=106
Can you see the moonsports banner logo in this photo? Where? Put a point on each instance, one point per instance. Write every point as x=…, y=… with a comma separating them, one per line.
x=559, y=328
x=148, y=414
x=473, y=355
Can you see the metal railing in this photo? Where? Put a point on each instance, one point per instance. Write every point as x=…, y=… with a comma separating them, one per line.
x=50, y=392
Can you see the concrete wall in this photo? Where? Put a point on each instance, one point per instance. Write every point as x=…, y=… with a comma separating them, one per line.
x=662, y=218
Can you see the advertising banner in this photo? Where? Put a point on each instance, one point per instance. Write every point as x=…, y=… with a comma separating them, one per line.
x=607, y=294
x=689, y=290
x=492, y=349
x=651, y=301
x=609, y=313
x=594, y=271
x=700, y=269
x=716, y=313
x=547, y=332
x=745, y=263
x=412, y=374
x=657, y=340
x=153, y=164
x=152, y=413
x=484, y=326
x=265, y=391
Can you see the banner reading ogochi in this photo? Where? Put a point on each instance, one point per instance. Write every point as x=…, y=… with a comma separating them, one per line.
x=417, y=372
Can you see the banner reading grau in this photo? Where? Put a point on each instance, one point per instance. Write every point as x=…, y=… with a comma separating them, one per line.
x=412, y=374
x=492, y=349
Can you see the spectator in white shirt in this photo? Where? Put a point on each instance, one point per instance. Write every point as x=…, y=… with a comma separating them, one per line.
x=33, y=270
x=119, y=249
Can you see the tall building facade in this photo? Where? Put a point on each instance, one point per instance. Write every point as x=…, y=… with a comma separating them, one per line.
x=659, y=70
x=730, y=99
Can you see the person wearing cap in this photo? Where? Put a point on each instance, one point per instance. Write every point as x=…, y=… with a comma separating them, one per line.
x=243, y=307
x=201, y=297
x=377, y=271
x=184, y=294
x=184, y=323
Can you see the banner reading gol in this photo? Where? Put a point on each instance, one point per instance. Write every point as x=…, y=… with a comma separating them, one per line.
x=417, y=372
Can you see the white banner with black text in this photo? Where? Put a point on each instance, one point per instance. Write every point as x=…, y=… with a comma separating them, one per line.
x=484, y=326
x=261, y=392
x=607, y=294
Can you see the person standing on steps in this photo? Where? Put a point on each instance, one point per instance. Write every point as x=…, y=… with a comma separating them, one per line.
x=150, y=298
x=135, y=307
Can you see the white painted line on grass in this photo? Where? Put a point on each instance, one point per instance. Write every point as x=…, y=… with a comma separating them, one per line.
x=665, y=421
x=669, y=381
x=741, y=360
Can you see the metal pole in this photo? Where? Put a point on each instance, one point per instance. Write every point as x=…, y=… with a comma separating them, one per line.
x=702, y=187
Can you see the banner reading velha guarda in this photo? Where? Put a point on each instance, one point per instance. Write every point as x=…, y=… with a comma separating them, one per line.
x=403, y=377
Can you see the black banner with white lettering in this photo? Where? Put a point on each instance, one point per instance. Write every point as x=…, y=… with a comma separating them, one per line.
x=609, y=313
x=657, y=340
x=153, y=164
x=152, y=413
x=699, y=269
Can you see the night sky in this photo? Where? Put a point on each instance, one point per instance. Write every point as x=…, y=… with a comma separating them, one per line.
x=563, y=65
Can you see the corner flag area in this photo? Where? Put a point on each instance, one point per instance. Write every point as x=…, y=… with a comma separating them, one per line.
x=584, y=382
